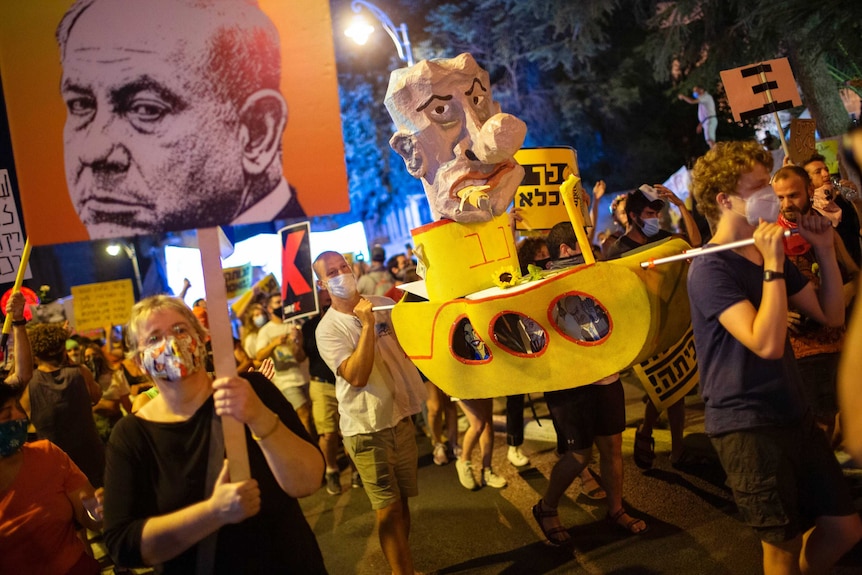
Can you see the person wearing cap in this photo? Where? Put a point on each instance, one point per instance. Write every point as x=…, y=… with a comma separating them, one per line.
x=378, y=280
x=642, y=210
x=643, y=225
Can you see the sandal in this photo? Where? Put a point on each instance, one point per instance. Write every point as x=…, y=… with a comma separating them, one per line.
x=633, y=525
x=555, y=536
x=591, y=487
x=644, y=451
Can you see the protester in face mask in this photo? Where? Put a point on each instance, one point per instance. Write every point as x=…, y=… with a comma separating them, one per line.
x=44, y=497
x=642, y=228
x=168, y=485
x=378, y=391
x=643, y=208
x=281, y=341
x=255, y=317
x=756, y=415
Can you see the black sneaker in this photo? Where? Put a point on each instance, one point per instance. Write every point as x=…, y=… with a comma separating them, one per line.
x=355, y=480
x=333, y=483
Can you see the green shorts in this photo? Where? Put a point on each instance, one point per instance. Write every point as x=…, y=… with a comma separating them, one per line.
x=324, y=406
x=783, y=478
x=387, y=462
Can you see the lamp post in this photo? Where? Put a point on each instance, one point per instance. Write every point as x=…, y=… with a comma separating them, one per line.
x=359, y=30
x=129, y=249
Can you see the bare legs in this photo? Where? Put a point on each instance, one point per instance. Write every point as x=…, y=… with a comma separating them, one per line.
x=479, y=412
x=393, y=527
x=676, y=418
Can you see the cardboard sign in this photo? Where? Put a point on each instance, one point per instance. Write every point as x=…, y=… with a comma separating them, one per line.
x=11, y=236
x=100, y=304
x=670, y=375
x=297, y=277
x=802, y=144
x=538, y=197
x=760, y=89
x=237, y=280
x=111, y=166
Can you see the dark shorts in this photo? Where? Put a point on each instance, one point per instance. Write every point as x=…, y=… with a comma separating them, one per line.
x=783, y=478
x=819, y=375
x=582, y=413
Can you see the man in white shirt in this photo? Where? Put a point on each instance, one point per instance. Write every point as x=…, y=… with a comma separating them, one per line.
x=707, y=121
x=378, y=391
x=282, y=342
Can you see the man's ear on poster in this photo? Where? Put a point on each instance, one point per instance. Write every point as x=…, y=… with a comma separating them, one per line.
x=404, y=144
x=263, y=117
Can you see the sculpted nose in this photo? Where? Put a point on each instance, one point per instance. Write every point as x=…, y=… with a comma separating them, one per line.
x=496, y=139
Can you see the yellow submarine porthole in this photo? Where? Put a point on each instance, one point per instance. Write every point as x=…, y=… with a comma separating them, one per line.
x=519, y=334
x=580, y=318
x=466, y=344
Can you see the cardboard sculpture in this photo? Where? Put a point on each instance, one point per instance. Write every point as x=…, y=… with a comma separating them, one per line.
x=454, y=138
x=484, y=331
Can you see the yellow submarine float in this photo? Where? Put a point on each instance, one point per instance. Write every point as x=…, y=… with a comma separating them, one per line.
x=475, y=336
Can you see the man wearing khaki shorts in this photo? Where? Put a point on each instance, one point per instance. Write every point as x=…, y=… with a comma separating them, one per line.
x=378, y=391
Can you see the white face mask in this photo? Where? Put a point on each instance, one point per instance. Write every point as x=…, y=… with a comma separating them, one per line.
x=342, y=286
x=260, y=320
x=762, y=204
x=650, y=226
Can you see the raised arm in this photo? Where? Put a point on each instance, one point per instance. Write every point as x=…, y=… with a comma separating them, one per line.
x=691, y=229
x=23, y=354
x=357, y=368
x=598, y=192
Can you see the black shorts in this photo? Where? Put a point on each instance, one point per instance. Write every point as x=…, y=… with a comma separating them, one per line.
x=783, y=478
x=582, y=413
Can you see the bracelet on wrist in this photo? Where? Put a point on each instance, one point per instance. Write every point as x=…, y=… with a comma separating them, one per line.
x=19, y=322
x=271, y=430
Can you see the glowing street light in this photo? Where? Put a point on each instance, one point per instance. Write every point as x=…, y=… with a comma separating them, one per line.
x=115, y=249
x=360, y=29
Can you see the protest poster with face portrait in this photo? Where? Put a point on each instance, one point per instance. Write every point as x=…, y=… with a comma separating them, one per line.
x=132, y=117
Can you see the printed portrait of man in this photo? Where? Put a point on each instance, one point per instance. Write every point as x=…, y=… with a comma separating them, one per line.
x=453, y=137
x=174, y=118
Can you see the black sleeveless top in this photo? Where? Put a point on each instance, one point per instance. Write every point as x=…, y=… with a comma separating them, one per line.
x=61, y=411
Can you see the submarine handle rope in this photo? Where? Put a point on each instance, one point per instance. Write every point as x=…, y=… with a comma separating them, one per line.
x=694, y=252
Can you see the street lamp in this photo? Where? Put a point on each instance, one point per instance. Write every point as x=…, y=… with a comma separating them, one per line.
x=360, y=29
x=114, y=250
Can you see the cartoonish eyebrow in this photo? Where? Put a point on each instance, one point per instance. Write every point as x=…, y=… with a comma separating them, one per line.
x=121, y=96
x=431, y=99
x=473, y=86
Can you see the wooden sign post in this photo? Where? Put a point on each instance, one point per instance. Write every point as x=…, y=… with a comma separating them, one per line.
x=221, y=338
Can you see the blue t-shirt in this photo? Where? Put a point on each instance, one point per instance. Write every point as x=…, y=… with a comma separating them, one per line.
x=740, y=389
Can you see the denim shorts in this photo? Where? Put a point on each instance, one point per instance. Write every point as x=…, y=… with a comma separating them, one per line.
x=783, y=478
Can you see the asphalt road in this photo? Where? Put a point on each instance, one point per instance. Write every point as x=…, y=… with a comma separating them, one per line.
x=694, y=527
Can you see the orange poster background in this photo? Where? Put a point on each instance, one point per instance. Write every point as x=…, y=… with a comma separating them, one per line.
x=30, y=67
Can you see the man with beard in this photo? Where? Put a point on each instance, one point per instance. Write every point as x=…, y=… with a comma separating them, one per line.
x=817, y=347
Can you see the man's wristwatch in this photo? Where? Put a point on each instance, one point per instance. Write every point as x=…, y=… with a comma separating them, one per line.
x=769, y=275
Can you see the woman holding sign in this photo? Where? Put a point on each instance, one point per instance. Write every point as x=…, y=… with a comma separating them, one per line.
x=169, y=499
